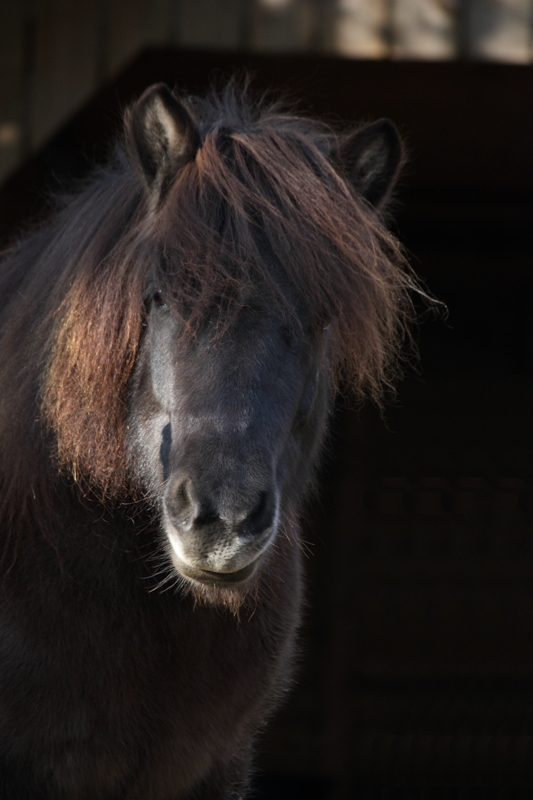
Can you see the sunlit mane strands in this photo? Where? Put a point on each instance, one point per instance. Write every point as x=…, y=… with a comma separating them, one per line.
x=271, y=176
x=347, y=267
x=170, y=340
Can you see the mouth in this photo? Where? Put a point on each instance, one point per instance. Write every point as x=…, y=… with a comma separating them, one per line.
x=206, y=576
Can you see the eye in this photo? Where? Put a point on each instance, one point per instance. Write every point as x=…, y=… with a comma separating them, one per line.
x=158, y=300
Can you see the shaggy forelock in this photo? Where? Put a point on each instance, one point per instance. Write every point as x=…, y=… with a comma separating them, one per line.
x=261, y=199
x=261, y=202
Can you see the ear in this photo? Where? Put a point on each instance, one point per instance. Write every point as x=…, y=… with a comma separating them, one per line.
x=371, y=159
x=161, y=136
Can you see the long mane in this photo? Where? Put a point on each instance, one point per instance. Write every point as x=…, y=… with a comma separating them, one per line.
x=262, y=198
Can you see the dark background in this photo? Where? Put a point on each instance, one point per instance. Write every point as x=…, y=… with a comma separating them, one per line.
x=417, y=655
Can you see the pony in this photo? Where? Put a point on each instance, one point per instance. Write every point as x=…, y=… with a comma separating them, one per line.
x=171, y=339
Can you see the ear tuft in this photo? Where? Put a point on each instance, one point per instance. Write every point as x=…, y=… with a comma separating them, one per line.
x=161, y=135
x=371, y=159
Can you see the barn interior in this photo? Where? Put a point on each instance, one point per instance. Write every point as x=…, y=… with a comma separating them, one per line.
x=416, y=675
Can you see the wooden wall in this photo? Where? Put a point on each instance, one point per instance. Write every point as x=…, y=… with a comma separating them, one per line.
x=54, y=54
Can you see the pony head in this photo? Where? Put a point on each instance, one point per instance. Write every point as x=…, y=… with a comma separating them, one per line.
x=227, y=274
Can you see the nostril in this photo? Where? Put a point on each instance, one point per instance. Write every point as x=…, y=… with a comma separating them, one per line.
x=261, y=516
x=206, y=517
x=186, y=509
x=183, y=498
x=180, y=503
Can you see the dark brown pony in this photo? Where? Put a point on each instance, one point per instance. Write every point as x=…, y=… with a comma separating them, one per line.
x=170, y=340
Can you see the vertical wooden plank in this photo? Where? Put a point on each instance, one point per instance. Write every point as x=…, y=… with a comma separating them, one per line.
x=359, y=28
x=133, y=25
x=423, y=29
x=210, y=23
x=11, y=79
x=282, y=26
x=499, y=30
x=65, y=51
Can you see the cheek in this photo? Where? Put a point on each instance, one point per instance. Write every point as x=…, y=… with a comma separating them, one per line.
x=149, y=437
x=148, y=429
x=162, y=378
x=309, y=432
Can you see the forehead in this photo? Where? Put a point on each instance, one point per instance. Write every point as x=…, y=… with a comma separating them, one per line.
x=256, y=335
x=244, y=302
x=259, y=320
